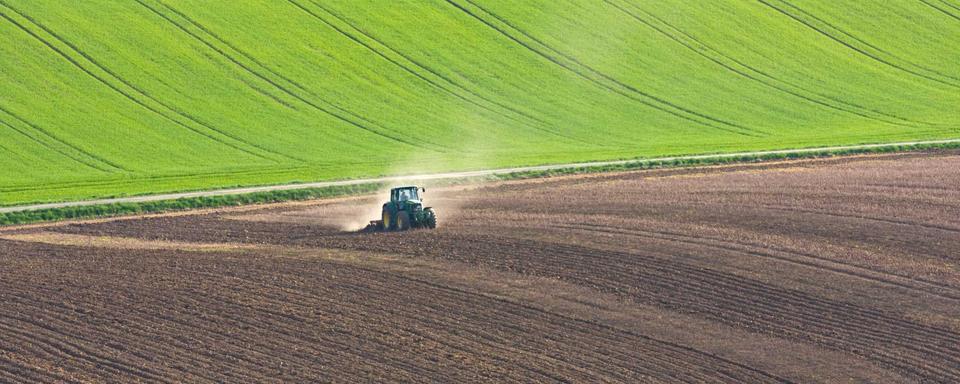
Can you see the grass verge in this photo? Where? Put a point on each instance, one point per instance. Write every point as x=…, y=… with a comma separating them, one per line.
x=121, y=209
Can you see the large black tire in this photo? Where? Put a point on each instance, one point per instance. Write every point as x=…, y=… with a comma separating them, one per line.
x=403, y=220
x=389, y=223
x=429, y=219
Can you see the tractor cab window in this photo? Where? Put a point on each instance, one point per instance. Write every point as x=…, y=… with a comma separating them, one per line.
x=405, y=194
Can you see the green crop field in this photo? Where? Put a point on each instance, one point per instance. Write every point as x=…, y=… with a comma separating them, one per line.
x=107, y=98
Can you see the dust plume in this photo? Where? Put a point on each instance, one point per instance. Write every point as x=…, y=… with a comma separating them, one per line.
x=469, y=145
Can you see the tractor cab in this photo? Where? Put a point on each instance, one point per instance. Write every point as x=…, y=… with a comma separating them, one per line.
x=402, y=194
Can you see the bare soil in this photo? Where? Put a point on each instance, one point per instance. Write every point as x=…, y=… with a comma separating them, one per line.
x=807, y=271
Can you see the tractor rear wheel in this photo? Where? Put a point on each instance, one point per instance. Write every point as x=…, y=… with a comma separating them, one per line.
x=403, y=221
x=388, y=224
x=429, y=219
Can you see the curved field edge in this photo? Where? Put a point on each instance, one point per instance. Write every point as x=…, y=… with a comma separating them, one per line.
x=279, y=196
x=128, y=187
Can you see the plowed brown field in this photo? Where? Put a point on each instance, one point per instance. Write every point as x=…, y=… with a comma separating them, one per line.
x=839, y=270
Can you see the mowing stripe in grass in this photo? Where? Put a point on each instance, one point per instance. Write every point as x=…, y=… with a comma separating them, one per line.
x=729, y=64
x=56, y=140
x=129, y=95
x=823, y=28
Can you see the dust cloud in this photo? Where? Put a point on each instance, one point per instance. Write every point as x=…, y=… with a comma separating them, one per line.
x=467, y=146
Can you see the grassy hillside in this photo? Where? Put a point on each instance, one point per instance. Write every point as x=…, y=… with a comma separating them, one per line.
x=103, y=97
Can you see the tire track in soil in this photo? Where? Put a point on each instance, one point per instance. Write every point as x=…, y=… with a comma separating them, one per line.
x=925, y=286
x=15, y=372
x=759, y=314
x=583, y=252
x=49, y=309
x=459, y=298
x=148, y=333
x=706, y=287
x=579, y=250
x=287, y=332
x=877, y=314
x=508, y=230
x=147, y=325
x=19, y=372
x=341, y=346
x=292, y=342
x=462, y=292
x=445, y=287
x=11, y=372
x=766, y=375
x=33, y=344
x=506, y=361
x=158, y=349
x=74, y=350
x=54, y=349
x=866, y=218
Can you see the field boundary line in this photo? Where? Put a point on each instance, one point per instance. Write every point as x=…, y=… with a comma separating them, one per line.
x=753, y=155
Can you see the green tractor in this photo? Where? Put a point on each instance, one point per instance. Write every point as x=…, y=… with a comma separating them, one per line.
x=404, y=211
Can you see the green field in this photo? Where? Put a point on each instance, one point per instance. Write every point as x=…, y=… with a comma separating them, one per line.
x=106, y=98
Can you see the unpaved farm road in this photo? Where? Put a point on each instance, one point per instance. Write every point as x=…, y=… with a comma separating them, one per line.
x=832, y=270
x=447, y=176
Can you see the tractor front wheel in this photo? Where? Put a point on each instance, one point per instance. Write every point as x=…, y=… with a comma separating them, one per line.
x=403, y=221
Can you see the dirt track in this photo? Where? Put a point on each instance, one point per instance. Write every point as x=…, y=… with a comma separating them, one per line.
x=821, y=270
